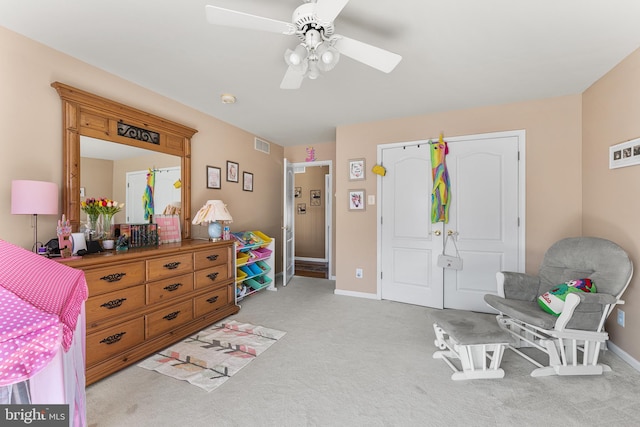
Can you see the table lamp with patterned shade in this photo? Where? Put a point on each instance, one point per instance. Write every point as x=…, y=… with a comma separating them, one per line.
x=213, y=213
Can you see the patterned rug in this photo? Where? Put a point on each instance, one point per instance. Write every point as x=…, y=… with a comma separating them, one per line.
x=213, y=355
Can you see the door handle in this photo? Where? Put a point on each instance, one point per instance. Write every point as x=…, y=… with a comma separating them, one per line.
x=451, y=233
x=437, y=232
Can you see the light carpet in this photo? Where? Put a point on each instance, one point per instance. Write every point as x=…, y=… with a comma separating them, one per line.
x=210, y=357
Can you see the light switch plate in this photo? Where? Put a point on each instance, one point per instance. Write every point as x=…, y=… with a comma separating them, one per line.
x=371, y=199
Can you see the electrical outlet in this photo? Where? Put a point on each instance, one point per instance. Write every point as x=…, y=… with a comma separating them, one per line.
x=621, y=318
x=358, y=273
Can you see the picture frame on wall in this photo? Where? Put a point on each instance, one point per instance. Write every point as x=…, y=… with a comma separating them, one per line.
x=624, y=154
x=316, y=198
x=297, y=193
x=357, y=169
x=214, y=175
x=232, y=171
x=302, y=208
x=357, y=200
x=247, y=181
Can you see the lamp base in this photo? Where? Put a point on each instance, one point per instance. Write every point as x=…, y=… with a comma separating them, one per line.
x=215, y=231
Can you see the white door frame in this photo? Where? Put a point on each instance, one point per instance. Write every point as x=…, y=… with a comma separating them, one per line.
x=520, y=134
x=328, y=248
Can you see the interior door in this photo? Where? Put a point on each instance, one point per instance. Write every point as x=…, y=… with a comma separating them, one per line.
x=288, y=240
x=483, y=220
x=410, y=244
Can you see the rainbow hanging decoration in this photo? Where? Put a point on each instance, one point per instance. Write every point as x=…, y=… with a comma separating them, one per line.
x=441, y=186
x=147, y=196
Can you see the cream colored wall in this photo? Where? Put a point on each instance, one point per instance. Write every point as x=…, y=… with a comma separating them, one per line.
x=611, y=108
x=553, y=175
x=31, y=123
x=96, y=177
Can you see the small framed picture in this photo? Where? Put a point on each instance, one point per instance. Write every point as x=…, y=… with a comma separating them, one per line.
x=232, y=171
x=302, y=208
x=356, y=200
x=316, y=199
x=624, y=154
x=213, y=177
x=297, y=193
x=356, y=169
x=247, y=181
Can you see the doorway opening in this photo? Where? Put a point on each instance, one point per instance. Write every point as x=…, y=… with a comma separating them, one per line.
x=312, y=210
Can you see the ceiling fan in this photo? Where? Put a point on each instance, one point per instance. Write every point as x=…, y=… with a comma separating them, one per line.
x=320, y=48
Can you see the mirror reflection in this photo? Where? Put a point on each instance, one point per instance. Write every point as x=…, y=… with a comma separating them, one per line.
x=124, y=173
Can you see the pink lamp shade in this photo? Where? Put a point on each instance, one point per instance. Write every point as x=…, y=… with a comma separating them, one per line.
x=34, y=197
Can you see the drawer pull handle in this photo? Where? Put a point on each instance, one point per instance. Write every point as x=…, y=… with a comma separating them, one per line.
x=113, y=303
x=112, y=339
x=212, y=299
x=212, y=276
x=172, y=316
x=115, y=277
x=173, y=287
x=172, y=265
x=212, y=257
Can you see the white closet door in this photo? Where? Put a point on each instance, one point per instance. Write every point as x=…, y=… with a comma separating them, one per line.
x=483, y=217
x=410, y=244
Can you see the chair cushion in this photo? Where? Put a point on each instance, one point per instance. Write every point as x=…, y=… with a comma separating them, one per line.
x=553, y=301
x=526, y=311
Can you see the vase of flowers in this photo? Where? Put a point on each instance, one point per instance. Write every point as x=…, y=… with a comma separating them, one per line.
x=108, y=208
x=90, y=207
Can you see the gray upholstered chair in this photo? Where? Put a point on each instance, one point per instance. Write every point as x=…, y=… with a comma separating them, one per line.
x=579, y=330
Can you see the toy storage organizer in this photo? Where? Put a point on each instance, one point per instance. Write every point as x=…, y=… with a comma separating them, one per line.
x=254, y=263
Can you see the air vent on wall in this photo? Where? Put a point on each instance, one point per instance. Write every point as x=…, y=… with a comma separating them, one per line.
x=262, y=145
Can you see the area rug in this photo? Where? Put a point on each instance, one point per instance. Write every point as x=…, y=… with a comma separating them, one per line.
x=209, y=358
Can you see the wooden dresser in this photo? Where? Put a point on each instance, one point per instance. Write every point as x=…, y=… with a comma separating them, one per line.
x=143, y=300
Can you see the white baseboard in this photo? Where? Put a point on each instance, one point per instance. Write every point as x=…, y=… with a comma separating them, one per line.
x=624, y=355
x=356, y=294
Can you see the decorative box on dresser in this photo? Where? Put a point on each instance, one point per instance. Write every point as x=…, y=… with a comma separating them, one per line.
x=143, y=300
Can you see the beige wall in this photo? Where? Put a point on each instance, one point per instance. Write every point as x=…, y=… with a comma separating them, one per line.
x=611, y=108
x=31, y=123
x=553, y=175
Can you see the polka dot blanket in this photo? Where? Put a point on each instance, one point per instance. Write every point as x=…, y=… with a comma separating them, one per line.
x=29, y=338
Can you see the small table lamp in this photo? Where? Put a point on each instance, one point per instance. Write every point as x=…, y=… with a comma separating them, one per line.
x=34, y=198
x=212, y=212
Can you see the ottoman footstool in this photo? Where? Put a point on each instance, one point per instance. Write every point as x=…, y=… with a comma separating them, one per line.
x=475, y=339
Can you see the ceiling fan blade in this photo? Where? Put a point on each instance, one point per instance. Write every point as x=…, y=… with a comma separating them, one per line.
x=292, y=79
x=328, y=10
x=372, y=56
x=232, y=18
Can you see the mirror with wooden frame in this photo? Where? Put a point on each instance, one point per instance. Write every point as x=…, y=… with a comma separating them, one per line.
x=85, y=114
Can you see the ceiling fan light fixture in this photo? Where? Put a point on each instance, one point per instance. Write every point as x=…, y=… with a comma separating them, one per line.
x=328, y=56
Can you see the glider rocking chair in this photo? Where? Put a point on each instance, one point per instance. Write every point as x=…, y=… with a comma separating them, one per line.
x=579, y=329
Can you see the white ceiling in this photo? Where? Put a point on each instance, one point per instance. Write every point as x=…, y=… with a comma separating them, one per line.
x=456, y=54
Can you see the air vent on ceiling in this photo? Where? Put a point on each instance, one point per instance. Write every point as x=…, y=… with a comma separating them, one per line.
x=262, y=145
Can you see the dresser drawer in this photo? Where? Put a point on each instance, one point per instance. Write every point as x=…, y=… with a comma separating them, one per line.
x=211, y=301
x=169, y=266
x=211, y=276
x=107, y=279
x=104, y=344
x=114, y=303
x=162, y=321
x=163, y=290
x=211, y=258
